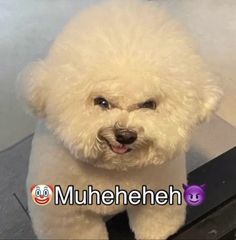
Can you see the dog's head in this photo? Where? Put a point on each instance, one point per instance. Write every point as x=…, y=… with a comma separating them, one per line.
x=124, y=92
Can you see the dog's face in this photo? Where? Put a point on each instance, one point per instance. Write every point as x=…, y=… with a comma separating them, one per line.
x=119, y=127
x=116, y=111
x=133, y=123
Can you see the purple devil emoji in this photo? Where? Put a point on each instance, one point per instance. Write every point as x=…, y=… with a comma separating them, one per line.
x=194, y=195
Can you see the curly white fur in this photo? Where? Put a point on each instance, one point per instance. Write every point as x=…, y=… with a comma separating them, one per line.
x=127, y=52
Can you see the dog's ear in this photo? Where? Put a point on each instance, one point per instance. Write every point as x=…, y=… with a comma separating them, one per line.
x=31, y=87
x=212, y=94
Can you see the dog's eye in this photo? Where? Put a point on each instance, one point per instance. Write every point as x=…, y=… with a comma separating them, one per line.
x=102, y=102
x=148, y=104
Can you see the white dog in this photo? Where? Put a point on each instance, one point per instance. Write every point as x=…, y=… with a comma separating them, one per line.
x=118, y=96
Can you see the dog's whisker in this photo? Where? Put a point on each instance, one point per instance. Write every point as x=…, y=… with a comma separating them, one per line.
x=99, y=140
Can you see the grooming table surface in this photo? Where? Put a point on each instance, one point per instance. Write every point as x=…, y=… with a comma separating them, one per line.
x=209, y=141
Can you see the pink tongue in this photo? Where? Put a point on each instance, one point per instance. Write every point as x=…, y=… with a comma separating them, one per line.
x=120, y=150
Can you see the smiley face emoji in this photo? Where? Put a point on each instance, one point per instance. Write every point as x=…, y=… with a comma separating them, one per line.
x=194, y=195
x=41, y=194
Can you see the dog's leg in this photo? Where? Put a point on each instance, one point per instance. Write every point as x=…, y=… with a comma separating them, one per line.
x=74, y=225
x=156, y=222
x=161, y=221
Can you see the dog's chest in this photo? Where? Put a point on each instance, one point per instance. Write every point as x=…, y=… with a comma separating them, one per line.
x=132, y=179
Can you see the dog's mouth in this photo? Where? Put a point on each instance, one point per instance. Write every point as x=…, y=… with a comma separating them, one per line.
x=119, y=149
x=114, y=146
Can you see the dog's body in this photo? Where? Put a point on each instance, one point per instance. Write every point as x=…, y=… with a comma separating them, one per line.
x=118, y=95
x=51, y=163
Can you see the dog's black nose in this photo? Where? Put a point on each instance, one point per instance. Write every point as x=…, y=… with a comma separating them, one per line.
x=125, y=136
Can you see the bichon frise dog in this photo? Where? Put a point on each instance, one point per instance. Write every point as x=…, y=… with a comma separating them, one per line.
x=117, y=97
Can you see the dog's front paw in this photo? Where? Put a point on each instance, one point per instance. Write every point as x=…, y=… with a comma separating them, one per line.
x=156, y=223
x=157, y=232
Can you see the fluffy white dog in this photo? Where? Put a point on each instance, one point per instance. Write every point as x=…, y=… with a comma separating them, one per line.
x=118, y=96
